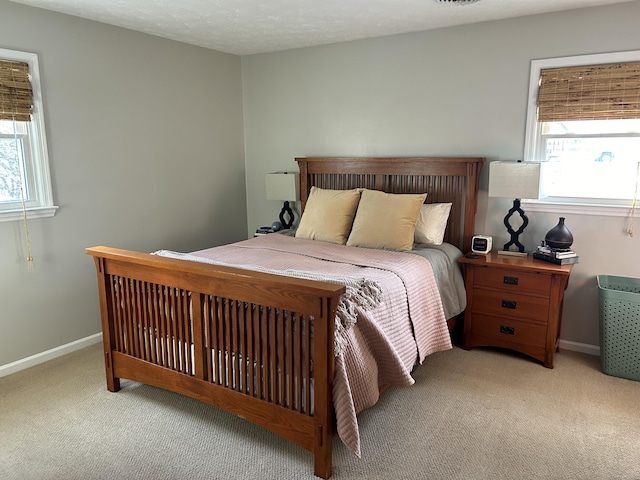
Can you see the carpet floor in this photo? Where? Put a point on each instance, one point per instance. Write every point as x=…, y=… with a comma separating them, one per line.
x=479, y=414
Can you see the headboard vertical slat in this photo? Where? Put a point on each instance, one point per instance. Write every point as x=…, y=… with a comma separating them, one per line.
x=445, y=180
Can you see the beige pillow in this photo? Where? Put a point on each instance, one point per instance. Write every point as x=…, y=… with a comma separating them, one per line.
x=328, y=215
x=432, y=223
x=386, y=220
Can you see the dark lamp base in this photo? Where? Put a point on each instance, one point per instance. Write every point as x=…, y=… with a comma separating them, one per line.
x=515, y=234
x=286, y=210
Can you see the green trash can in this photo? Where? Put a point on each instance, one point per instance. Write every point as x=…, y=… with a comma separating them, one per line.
x=619, y=305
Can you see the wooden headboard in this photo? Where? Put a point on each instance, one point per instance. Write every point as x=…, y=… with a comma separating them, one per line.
x=444, y=179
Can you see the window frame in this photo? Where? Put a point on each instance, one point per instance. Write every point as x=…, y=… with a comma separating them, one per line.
x=533, y=133
x=40, y=203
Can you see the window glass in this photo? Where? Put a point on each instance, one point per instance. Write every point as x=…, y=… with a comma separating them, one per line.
x=12, y=168
x=595, y=159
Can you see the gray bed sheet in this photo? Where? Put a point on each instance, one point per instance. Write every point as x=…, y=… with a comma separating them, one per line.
x=448, y=274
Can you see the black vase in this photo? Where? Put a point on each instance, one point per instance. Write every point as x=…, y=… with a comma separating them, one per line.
x=559, y=237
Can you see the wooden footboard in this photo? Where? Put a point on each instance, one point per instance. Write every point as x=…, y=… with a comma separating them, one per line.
x=259, y=346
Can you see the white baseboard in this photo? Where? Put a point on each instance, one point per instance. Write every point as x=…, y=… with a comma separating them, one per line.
x=580, y=347
x=38, y=358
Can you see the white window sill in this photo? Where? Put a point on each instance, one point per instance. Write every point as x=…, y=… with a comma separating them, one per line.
x=18, y=214
x=579, y=208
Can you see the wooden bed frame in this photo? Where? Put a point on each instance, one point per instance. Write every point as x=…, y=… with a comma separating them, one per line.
x=254, y=344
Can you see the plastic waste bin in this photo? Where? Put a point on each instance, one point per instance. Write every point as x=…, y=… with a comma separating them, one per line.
x=619, y=306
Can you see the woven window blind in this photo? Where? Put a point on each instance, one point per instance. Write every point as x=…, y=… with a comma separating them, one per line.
x=16, y=95
x=589, y=92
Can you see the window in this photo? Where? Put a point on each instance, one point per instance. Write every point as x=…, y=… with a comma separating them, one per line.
x=25, y=181
x=584, y=122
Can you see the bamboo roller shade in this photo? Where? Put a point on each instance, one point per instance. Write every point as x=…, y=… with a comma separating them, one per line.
x=589, y=92
x=16, y=96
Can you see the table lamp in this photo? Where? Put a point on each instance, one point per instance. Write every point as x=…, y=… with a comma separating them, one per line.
x=284, y=186
x=514, y=180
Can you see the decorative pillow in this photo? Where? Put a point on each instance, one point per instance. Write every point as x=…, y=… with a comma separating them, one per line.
x=432, y=223
x=328, y=215
x=386, y=220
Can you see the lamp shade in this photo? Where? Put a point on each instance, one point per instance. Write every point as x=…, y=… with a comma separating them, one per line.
x=514, y=179
x=283, y=186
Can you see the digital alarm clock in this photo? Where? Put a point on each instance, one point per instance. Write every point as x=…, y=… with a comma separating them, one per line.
x=481, y=244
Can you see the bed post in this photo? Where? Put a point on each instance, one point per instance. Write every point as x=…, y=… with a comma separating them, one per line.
x=323, y=347
x=471, y=203
x=108, y=336
x=304, y=183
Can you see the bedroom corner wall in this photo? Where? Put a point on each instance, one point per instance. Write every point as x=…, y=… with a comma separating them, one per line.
x=142, y=157
x=451, y=92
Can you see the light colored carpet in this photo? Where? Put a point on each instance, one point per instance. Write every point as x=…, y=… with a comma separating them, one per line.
x=481, y=414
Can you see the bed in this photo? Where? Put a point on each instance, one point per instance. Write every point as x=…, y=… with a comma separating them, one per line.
x=262, y=343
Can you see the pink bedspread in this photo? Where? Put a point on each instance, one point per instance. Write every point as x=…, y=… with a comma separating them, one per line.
x=387, y=341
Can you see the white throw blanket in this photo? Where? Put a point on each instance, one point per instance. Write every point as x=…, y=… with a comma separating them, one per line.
x=361, y=292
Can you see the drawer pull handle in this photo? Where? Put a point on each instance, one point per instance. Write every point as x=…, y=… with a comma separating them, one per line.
x=507, y=330
x=510, y=280
x=508, y=304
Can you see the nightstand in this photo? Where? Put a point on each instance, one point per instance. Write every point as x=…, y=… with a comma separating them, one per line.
x=514, y=303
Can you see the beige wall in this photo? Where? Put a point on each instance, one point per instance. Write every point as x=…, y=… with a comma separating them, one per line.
x=145, y=139
x=455, y=91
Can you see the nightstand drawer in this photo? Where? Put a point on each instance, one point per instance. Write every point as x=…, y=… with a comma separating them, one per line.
x=513, y=280
x=511, y=304
x=505, y=332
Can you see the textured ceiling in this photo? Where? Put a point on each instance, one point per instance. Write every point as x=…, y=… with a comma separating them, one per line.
x=244, y=27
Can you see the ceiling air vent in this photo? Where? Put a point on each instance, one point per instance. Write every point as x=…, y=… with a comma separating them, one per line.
x=457, y=2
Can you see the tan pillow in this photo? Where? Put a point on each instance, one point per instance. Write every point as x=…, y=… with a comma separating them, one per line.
x=386, y=220
x=432, y=223
x=328, y=215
